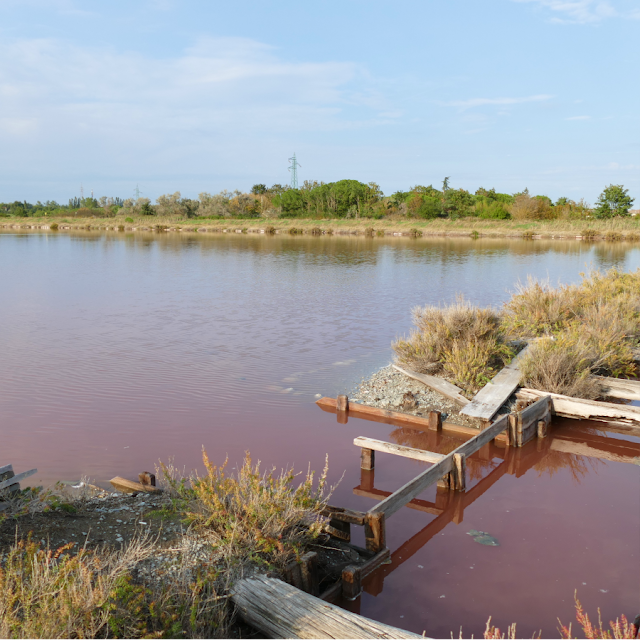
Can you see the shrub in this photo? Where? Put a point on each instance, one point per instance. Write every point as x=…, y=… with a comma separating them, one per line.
x=537, y=309
x=316, y=231
x=128, y=220
x=415, y=233
x=270, y=230
x=589, y=234
x=612, y=236
x=53, y=226
x=369, y=231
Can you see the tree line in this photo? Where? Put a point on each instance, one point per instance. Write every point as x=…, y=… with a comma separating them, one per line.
x=341, y=199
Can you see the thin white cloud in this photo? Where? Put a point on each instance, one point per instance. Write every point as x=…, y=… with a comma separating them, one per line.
x=579, y=118
x=586, y=11
x=482, y=102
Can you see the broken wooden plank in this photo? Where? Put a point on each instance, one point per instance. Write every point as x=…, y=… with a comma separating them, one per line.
x=418, y=505
x=587, y=409
x=486, y=403
x=344, y=515
x=528, y=418
x=416, y=486
x=398, y=450
x=442, y=386
x=620, y=388
x=16, y=479
x=282, y=611
x=129, y=486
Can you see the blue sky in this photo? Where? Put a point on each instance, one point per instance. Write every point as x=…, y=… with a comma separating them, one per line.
x=204, y=96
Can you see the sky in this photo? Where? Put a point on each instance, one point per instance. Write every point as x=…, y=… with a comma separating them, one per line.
x=201, y=96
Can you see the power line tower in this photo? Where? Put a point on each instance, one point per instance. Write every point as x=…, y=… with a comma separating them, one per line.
x=82, y=193
x=137, y=192
x=294, y=171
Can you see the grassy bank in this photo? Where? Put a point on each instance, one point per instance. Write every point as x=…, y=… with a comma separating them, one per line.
x=615, y=229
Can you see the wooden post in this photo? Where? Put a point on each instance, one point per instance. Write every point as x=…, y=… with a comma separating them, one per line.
x=542, y=428
x=513, y=425
x=445, y=482
x=293, y=574
x=435, y=420
x=309, y=570
x=147, y=478
x=367, y=479
x=342, y=403
x=459, y=470
x=374, y=532
x=351, y=582
x=367, y=459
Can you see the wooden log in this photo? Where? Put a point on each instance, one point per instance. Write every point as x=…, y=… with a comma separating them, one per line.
x=351, y=582
x=147, y=478
x=309, y=570
x=494, y=394
x=374, y=532
x=459, y=471
x=342, y=403
x=620, y=388
x=16, y=479
x=367, y=458
x=370, y=444
x=435, y=420
x=588, y=409
x=442, y=386
x=129, y=486
x=281, y=611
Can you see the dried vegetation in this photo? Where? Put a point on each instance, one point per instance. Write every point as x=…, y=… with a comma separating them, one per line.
x=581, y=330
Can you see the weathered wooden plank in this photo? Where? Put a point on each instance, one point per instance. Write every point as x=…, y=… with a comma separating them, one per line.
x=399, y=419
x=282, y=611
x=620, y=388
x=442, y=386
x=494, y=394
x=16, y=479
x=528, y=418
x=398, y=450
x=344, y=515
x=416, y=486
x=586, y=409
x=583, y=449
x=129, y=486
x=6, y=469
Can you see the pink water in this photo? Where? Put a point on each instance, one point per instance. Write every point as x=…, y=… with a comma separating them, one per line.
x=118, y=350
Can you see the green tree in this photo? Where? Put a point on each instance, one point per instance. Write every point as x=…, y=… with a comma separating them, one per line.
x=259, y=189
x=613, y=201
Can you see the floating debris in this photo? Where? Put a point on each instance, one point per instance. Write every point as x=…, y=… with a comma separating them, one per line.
x=482, y=537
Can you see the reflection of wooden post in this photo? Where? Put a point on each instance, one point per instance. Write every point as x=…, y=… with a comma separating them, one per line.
x=342, y=403
x=458, y=508
x=367, y=479
x=351, y=582
x=542, y=428
x=367, y=459
x=459, y=470
x=442, y=495
x=374, y=532
x=343, y=417
x=435, y=420
x=513, y=425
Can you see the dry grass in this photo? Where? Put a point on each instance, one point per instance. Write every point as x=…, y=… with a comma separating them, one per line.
x=460, y=340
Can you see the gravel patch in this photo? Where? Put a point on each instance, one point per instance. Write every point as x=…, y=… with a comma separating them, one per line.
x=387, y=389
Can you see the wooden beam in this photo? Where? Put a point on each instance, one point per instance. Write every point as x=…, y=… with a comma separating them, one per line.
x=528, y=418
x=442, y=386
x=129, y=486
x=16, y=479
x=620, y=388
x=281, y=611
x=494, y=394
x=588, y=409
x=397, y=449
x=344, y=515
x=398, y=419
x=416, y=486
x=417, y=504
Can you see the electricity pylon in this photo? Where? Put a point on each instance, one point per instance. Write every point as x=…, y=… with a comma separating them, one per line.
x=294, y=171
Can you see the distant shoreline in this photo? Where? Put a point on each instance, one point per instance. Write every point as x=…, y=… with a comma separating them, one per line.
x=614, y=230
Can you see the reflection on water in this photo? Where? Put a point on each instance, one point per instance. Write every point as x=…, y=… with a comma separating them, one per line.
x=121, y=349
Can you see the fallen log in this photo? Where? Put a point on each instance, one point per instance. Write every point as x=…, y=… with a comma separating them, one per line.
x=282, y=611
x=129, y=486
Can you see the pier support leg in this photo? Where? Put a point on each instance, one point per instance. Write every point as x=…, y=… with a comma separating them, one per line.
x=374, y=532
x=309, y=570
x=367, y=459
x=435, y=420
x=351, y=582
x=342, y=403
x=459, y=471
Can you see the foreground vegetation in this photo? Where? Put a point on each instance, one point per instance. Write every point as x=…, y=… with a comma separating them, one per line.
x=578, y=332
x=237, y=524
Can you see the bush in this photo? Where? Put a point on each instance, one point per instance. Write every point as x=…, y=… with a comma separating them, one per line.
x=128, y=220
x=53, y=226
